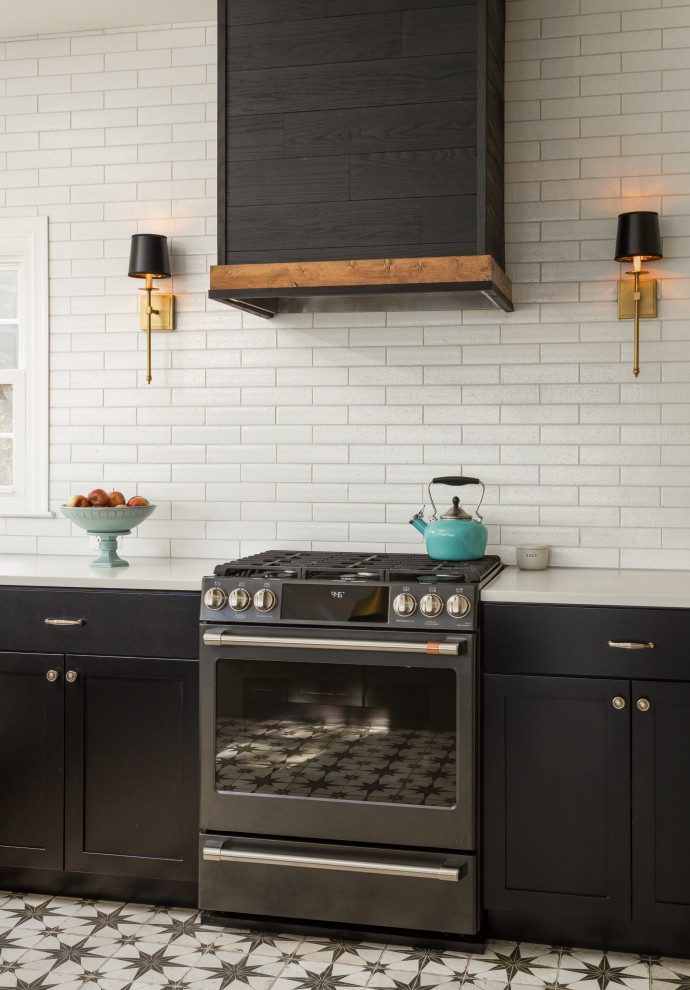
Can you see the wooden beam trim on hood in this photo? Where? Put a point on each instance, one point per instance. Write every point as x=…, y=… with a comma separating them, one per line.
x=455, y=271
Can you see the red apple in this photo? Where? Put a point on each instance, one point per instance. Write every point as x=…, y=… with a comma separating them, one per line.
x=99, y=498
x=116, y=498
x=138, y=500
x=79, y=501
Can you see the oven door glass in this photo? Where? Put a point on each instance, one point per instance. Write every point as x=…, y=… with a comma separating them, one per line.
x=380, y=734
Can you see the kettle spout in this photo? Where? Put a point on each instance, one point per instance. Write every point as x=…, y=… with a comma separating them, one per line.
x=418, y=522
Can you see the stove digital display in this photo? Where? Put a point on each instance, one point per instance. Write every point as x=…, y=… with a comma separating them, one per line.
x=329, y=603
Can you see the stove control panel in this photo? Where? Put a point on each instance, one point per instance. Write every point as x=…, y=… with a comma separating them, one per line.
x=444, y=606
x=433, y=607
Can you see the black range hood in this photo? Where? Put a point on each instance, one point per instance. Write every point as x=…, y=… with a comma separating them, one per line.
x=360, y=156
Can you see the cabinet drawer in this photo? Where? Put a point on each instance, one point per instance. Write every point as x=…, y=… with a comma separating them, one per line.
x=573, y=640
x=113, y=622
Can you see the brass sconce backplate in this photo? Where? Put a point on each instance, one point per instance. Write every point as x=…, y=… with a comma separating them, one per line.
x=626, y=302
x=162, y=317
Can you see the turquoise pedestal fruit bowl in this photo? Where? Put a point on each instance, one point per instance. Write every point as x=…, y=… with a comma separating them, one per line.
x=108, y=523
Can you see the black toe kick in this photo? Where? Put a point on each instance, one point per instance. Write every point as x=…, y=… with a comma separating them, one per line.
x=354, y=933
x=596, y=933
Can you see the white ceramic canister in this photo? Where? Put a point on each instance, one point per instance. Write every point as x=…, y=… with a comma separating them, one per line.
x=532, y=558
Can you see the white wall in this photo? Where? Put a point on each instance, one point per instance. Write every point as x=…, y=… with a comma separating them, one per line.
x=320, y=433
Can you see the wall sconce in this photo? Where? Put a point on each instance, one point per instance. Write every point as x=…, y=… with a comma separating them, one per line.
x=149, y=259
x=638, y=240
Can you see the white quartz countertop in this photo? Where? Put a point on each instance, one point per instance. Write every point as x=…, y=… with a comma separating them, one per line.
x=591, y=586
x=555, y=585
x=144, y=573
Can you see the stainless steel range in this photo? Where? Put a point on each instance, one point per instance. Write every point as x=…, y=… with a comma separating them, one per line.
x=339, y=743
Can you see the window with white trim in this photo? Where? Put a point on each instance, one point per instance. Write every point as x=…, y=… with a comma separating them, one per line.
x=24, y=366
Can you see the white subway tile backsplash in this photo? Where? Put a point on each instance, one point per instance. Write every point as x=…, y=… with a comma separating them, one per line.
x=322, y=415
x=312, y=431
x=579, y=474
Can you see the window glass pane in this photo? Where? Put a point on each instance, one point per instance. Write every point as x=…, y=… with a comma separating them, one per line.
x=5, y=462
x=341, y=732
x=8, y=345
x=5, y=408
x=9, y=288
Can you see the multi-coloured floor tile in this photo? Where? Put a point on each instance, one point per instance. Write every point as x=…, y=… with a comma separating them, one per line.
x=72, y=944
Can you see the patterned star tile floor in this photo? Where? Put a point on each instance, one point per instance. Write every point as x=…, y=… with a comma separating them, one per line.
x=99, y=945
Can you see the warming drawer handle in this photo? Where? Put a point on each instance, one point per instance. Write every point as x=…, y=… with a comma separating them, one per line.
x=216, y=852
x=65, y=622
x=370, y=645
x=619, y=645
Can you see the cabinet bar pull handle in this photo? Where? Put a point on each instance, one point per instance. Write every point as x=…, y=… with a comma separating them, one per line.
x=71, y=676
x=213, y=852
x=619, y=645
x=65, y=622
x=52, y=675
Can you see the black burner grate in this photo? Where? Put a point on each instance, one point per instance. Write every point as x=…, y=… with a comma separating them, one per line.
x=309, y=565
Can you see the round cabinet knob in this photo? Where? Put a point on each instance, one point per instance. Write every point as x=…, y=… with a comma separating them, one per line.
x=240, y=600
x=215, y=598
x=644, y=704
x=431, y=605
x=52, y=675
x=458, y=606
x=265, y=600
x=618, y=702
x=71, y=676
x=405, y=604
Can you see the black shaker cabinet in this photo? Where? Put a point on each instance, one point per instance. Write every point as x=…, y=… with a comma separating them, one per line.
x=31, y=761
x=557, y=802
x=586, y=759
x=99, y=752
x=661, y=805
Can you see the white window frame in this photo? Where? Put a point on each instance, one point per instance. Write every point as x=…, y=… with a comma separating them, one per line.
x=24, y=247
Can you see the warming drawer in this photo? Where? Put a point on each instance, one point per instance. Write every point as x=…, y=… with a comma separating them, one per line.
x=321, y=882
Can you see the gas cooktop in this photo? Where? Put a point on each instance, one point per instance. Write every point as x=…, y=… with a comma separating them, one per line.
x=373, y=568
x=297, y=587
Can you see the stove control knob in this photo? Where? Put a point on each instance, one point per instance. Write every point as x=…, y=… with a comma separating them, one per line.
x=265, y=600
x=431, y=606
x=405, y=604
x=458, y=606
x=215, y=598
x=240, y=600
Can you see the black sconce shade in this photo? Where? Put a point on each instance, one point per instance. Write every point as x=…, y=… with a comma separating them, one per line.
x=149, y=256
x=638, y=236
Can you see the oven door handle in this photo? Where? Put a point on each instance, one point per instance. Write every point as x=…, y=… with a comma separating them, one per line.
x=216, y=850
x=366, y=645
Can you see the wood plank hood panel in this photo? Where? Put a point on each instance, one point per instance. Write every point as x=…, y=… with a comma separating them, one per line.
x=360, y=155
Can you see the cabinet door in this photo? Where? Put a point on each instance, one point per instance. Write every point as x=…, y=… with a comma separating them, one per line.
x=661, y=803
x=131, y=767
x=557, y=796
x=31, y=760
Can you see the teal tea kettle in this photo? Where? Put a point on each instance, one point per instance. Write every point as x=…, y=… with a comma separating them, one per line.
x=456, y=535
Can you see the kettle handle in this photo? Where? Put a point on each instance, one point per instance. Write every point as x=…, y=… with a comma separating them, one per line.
x=456, y=481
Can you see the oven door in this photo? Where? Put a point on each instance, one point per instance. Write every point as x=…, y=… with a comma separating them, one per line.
x=368, y=739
